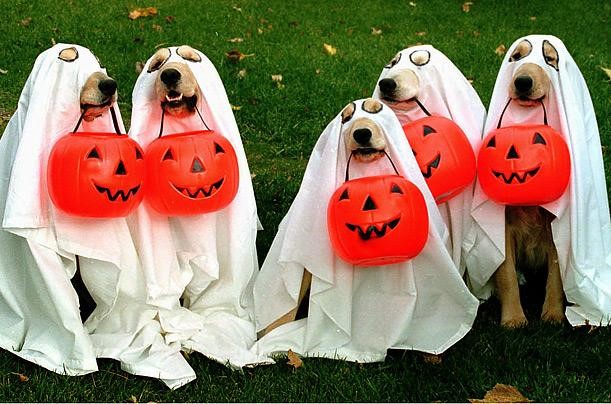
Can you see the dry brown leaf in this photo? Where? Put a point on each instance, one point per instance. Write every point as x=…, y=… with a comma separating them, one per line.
x=329, y=49
x=476, y=33
x=466, y=6
x=431, y=359
x=139, y=67
x=235, y=107
x=142, y=12
x=533, y=18
x=25, y=22
x=500, y=50
x=170, y=19
x=470, y=80
x=411, y=3
x=420, y=33
x=236, y=40
x=132, y=399
x=157, y=27
x=2, y=71
x=277, y=77
x=238, y=9
x=376, y=31
x=23, y=378
x=607, y=71
x=242, y=73
x=317, y=71
x=53, y=42
x=502, y=393
x=259, y=31
x=235, y=55
x=294, y=360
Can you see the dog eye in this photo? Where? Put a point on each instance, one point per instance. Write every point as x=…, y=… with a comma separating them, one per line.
x=492, y=142
x=393, y=61
x=218, y=149
x=344, y=195
x=138, y=154
x=538, y=139
x=188, y=53
x=159, y=60
x=168, y=155
x=395, y=189
x=93, y=154
x=515, y=57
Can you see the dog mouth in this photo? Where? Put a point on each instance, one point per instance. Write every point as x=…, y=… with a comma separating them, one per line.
x=429, y=167
x=174, y=100
x=525, y=100
x=367, y=153
x=370, y=231
x=399, y=104
x=200, y=192
x=118, y=194
x=519, y=178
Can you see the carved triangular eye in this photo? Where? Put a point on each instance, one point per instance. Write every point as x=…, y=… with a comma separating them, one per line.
x=427, y=130
x=168, y=155
x=94, y=154
x=344, y=195
x=218, y=149
x=138, y=154
x=539, y=139
x=395, y=189
x=492, y=142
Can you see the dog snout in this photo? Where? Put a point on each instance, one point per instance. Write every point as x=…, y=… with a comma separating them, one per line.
x=362, y=136
x=108, y=87
x=387, y=86
x=170, y=76
x=523, y=84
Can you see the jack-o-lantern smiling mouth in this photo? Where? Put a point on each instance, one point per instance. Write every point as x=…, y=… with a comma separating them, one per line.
x=374, y=230
x=200, y=192
x=119, y=194
x=520, y=178
x=429, y=167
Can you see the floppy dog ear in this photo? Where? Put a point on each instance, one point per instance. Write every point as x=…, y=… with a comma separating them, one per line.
x=159, y=59
x=420, y=57
x=188, y=53
x=522, y=50
x=372, y=106
x=68, y=54
x=393, y=61
x=348, y=112
x=550, y=54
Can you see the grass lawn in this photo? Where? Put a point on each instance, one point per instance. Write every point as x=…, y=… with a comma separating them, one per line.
x=279, y=127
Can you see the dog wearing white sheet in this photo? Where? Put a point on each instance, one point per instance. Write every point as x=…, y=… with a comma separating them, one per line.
x=356, y=313
x=572, y=233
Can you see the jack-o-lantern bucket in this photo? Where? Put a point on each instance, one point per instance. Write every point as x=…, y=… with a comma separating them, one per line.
x=444, y=154
x=191, y=173
x=377, y=220
x=525, y=165
x=93, y=174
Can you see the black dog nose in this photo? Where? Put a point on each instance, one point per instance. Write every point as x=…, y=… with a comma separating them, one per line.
x=523, y=83
x=387, y=85
x=362, y=136
x=108, y=87
x=170, y=76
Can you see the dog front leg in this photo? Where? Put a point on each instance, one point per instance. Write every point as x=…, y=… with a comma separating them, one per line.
x=553, y=306
x=290, y=316
x=507, y=288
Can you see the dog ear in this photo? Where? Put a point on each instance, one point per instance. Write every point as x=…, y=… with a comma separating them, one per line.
x=188, y=53
x=159, y=59
x=550, y=54
x=420, y=57
x=521, y=50
x=372, y=106
x=348, y=112
x=393, y=61
x=68, y=54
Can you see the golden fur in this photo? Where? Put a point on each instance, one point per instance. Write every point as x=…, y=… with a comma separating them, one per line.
x=92, y=99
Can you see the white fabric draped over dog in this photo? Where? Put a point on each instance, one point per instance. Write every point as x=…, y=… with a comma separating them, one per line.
x=581, y=229
x=444, y=91
x=209, y=259
x=358, y=313
x=39, y=309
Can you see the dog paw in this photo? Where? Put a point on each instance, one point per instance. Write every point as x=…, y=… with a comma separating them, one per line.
x=555, y=316
x=514, y=322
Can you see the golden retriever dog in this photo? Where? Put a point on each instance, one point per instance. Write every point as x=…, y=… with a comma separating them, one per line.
x=402, y=86
x=175, y=85
x=528, y=232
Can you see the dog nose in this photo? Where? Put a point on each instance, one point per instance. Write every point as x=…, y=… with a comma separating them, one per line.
x=121, y=169
x=387, y=85
x=170, y=76
x=523, y=83
x=362, y=136
x=108, y=87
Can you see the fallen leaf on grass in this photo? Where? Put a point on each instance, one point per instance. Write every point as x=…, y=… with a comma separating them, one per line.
x=142, y=12
x=22, y=378
x=431, y=359
x=420, y=33
x=502, y=393
x=235, y=107
x=25, y=22
x=139, y=67
x=238, y=9
x=329, y=49
x=235, y=40
x=242, y=73
x=317, y=71
x=607, y=71
x=466, y=6
x=533, y=18
x=132, y=399
x=470, y=80
x=277, y=78
x=2, y=71
x=235, y=55
x=376, y=31
x=411, y=3
x=500, y=50
x=157, y=27
x=170, y=19
x=294, y=360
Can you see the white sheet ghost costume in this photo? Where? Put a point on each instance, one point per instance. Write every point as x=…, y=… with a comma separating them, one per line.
x=39, y=309
x=581, y=229
x=358, y=313
x=209, y=260
x=444, y=91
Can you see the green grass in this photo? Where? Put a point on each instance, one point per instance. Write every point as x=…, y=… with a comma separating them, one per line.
x=279, y=129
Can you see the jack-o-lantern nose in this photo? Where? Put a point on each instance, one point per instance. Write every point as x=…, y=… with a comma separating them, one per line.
x=197, y=166
x=121, y=169
x=369, y=204
x=362, y=136
x=512, y=153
